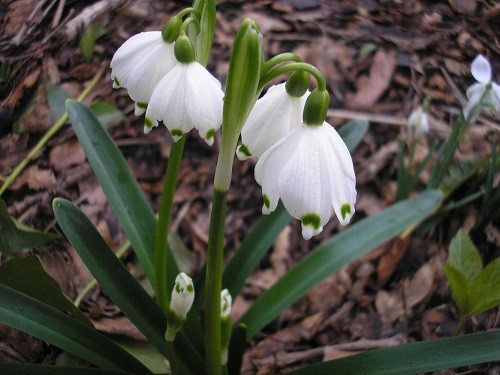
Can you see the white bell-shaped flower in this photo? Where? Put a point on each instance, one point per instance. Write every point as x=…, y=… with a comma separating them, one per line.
x=484, y=91
x=272, y=118
x=311, y=171
x=187, y=97
x=225, y=304
x=182, y=295
x=419, y=121
x=139, y=64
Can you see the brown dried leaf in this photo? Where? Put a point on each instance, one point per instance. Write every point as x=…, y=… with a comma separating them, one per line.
x=65, y=155
x=36, y=179
x=420, y=287
x=371, y=88
x=389, y=306
x=119, y=326
x=389, y=261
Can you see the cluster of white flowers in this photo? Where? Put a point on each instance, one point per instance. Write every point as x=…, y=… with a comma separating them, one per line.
x=182, y=95
x=484, y=94
x=305, y=165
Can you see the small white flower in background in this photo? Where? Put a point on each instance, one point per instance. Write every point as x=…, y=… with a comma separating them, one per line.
x=139, y=64
x=225, y=315
x=419, y=121
x=485, y=91
x=272, y=118
x=180, y=303
x=311, y=171
x=187, y=97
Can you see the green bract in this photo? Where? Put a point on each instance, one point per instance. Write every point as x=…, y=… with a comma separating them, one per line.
x=297, y=84
x=171, y=29
x=184, y=50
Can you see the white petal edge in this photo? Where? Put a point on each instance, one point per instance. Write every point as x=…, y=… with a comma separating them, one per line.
x=481, y=69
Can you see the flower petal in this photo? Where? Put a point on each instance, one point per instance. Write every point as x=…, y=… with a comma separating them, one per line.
x=481, y=69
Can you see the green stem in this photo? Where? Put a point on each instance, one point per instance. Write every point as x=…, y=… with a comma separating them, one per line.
x=214, y=283
x=461, y=324
x=172, y=361
x=277, y=60
x=164, y=216
x=50, y=133
x=274, y=73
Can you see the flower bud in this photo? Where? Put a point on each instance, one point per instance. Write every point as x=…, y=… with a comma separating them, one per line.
x=226, y=326
x=180, y=304
x=171, y=29
x=297, y=84
x=184, y=50
x=316, y=107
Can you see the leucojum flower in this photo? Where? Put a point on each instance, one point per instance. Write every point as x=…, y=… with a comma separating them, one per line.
x=310, y=170
x=139, y=64
x=273, y=116
x=162, y=76
x=180, y=304
x=484, y=94
x=419, y=119
x=187, y=97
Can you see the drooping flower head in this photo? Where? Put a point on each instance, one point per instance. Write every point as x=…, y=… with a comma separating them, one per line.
x=419, y=119
x=484, y=94
x=187, y=97
x=311, y=171
x=139, y=64
x=273, y=116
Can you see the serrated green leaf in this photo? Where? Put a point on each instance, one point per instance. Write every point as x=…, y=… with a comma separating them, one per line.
x=88, y=39
x=15, y=236
x=336, y=253
x=464, y=257
x=57, y=100
x=459, y=286
x=415, y=358
x=107, y=114
x=486, y=289
x=27, y=276
x=49, y=324
x=120, y=187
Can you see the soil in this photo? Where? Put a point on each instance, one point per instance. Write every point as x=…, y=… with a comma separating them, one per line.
x=380, y=59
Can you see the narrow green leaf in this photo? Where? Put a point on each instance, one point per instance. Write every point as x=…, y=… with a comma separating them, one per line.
x=464, y=257
x=116, y=280
x=237, y=347
x=459, y=174
x=27, y=276
x=341, y=250
x=32, y=369
x=144, y=352
x=15, y=236
x=113, y=276
x=353, y=132
x=107, y=114
x=459, y=286
x=253, y=248
x=420, y=357
x=47, y=323
x=57, y=100
x=486, y=289
x=88, y=39
x=121, y=188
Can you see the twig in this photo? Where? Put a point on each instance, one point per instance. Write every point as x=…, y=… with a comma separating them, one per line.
x=88, y=16
x=22, y=33
x=57, y=16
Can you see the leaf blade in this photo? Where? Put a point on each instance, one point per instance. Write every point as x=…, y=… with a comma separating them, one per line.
x=336, y=253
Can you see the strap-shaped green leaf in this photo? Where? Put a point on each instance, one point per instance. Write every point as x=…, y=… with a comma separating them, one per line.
x=15, y=236
x=122, y=190
x=113, y=276
x=33, y=369
x=415, y=358
x=47, y=323
x=341, y=250
x=116, y=280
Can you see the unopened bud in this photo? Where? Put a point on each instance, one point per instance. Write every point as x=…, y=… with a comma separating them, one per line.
x=180, y=304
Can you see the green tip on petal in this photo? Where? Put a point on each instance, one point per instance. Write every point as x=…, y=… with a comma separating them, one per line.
x=345, y=210
x=267, y=202
x=117, y=82
x=190, y=288
x=141, y=105
x=148, y=123
x=177, y=134
x=210, y=134
x=312, y=220
x=243, y=152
